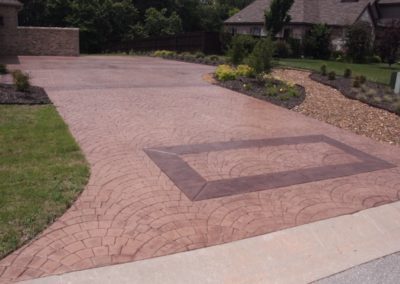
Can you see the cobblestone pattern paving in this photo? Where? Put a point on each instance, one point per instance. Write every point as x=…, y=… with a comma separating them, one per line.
x=118, y=106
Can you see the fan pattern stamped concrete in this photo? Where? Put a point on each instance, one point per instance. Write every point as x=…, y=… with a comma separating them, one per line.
x=178, y=164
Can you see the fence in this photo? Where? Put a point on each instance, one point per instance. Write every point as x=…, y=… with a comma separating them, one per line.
x=207, y=42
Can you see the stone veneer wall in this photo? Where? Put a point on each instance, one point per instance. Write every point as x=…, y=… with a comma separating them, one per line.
x=16, y=40
x=48, y=41
x=42, y=41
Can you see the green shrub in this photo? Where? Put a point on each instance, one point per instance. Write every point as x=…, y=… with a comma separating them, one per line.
x=375, y=59
x=214, y=57
x=261, y=57
x=3, y=69
x=347, y=73
x=356, y=83
x=245, y=71
x=163, y=53
x=359, y=41
x=199, y=55
x=225, y=73
x=332, y=75
x=362, y=79
x=241, y=46
x=324, y=70
x=282, y=49
x=317, y=42
x=271, y=90
x=21, y=81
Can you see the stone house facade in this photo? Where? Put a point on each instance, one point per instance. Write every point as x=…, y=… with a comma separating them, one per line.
x=16, y=40
x=337, y=14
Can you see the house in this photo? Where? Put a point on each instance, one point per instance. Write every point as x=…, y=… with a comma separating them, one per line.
x=337, y=14
x=16, y=40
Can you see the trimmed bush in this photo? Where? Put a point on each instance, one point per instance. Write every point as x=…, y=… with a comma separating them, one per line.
x=3, y=69
x=21, y=81
x=347, y=73
x=261, y=57
x=356, y=83
x=245, y=71
x=362, y=79
x=225, y=73
x=324, y=70
x=332, y=75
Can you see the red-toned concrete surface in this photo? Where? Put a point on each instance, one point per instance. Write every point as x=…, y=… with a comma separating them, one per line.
x=125, y=112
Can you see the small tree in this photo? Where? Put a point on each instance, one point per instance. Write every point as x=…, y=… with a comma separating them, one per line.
x=277, y=16
x=261, y=57
x=359, y=41
x=241, y=46
x=389, y=43
x=317, y=43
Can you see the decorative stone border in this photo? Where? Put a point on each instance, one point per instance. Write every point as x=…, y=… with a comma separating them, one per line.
x=196, y=188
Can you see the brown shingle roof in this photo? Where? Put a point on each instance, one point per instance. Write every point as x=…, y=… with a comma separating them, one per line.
x=10, y=3
x=331, y=12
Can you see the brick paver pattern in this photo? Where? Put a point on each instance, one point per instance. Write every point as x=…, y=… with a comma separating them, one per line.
x=117, y=107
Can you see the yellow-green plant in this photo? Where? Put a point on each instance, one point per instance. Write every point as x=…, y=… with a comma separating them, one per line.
x=225, y=73
x=163, y=53
x=245, y=71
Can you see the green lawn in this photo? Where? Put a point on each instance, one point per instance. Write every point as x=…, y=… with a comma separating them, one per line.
x=42, y=171
x=380, y=73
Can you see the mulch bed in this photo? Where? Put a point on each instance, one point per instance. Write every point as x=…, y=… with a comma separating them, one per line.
x=257, y=90
x=345, y=86
x=35, y=96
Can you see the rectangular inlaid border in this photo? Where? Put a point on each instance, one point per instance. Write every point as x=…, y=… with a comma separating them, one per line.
x=196, y=188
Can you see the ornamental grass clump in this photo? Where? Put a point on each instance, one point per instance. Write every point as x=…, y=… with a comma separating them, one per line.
x=21, y=81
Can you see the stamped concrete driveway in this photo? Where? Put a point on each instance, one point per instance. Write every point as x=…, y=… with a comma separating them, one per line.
x=178, y=164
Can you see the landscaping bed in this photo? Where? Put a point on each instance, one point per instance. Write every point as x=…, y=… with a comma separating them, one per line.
x=197, y=57
x=34, y=96
x=271, y=90
x=371, y=93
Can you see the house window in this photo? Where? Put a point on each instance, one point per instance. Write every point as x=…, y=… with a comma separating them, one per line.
x=1, y=21
x=233, y=30
x=256, y=31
